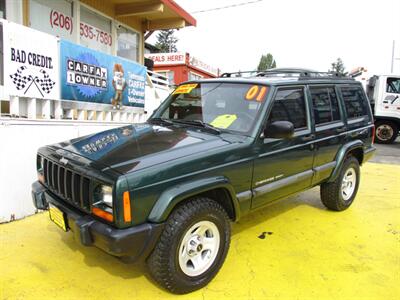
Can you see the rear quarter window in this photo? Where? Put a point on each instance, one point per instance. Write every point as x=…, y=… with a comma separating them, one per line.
x=355, y=102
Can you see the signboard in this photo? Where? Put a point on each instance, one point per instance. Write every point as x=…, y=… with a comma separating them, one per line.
x=91, y=76
x=203, y=66
x=161, y=59
x=31, y=63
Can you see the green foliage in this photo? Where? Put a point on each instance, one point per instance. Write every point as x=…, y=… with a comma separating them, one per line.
x=166, y=41
x=338, y=67
x=266, y=62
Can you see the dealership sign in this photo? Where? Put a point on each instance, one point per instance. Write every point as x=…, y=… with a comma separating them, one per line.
x=31, y=62
x=193, y=61
x=167, y=58
x=92, y=76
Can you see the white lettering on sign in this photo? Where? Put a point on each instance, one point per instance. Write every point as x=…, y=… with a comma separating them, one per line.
x=167, y=58
x=203, y=66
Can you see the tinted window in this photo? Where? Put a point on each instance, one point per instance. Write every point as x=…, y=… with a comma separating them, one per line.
x=393, y=85
x=355, y=102
x=325, y=104
x=289, y=105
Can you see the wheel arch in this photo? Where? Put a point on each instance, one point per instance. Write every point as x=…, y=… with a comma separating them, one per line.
x=217, y=188
x=354, y=148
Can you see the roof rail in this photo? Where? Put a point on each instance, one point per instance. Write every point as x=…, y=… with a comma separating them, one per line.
x=288, y=72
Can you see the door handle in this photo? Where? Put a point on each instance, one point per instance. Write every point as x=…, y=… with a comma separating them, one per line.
x=341, y=129
x=307, y=138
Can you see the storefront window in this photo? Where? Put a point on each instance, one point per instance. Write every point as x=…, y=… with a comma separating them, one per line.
x=194, y=76
x=128, y=44
x=95, y=31
x=53, y=17
x=2, y=9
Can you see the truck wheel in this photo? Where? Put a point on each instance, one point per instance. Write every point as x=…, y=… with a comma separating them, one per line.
x=385, y=132
x=339, y=194
x=192, y=247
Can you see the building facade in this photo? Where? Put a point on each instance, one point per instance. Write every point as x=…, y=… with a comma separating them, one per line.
x=180, y=67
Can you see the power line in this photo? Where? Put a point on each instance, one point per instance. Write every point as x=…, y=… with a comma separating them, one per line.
x=225, y=7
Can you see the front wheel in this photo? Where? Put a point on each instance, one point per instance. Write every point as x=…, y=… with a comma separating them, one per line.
x=192, y=247
x=339, y=194
x=385, y=132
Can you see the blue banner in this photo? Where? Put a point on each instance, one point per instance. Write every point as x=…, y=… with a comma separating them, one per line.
x=92, y=76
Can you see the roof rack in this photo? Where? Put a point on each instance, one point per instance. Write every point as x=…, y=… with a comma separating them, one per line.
x=288, y=72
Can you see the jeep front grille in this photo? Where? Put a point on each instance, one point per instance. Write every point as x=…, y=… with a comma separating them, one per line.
x=67, y=184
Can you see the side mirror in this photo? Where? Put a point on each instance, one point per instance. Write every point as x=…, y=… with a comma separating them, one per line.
x=279, y=130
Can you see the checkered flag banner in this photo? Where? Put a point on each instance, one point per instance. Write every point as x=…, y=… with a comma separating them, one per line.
x=19, y=80
x=46, y=84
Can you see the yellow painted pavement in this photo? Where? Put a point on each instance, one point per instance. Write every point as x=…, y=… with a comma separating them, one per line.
x=312, y=253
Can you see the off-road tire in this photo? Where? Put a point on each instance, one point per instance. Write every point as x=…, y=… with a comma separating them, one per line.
x=331, y=194
x=163, y=262
x=394, y=127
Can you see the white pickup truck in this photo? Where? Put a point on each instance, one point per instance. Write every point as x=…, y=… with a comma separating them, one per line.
x=384, y=94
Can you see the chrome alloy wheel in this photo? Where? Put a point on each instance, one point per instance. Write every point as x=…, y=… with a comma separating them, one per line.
x=199, y=248
x=348, y=183
x=384, y=132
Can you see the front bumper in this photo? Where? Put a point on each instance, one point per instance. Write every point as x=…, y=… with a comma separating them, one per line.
x=130, y=244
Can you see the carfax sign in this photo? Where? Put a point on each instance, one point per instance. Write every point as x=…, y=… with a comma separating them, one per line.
x=91, y=76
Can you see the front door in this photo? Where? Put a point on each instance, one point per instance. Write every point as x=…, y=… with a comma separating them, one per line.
x=284, y=166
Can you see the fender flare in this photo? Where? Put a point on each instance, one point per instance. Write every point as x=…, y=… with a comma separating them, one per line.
x=176, y=194
x=341, y=156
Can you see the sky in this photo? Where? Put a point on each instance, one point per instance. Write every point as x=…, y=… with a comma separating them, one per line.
x=303, y=33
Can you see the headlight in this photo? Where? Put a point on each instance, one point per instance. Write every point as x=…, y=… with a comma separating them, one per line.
x=103, y=195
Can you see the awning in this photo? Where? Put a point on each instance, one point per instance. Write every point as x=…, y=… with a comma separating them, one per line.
x=155, y=15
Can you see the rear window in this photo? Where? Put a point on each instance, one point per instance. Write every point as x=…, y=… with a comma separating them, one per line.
x=355, y=102
x=325, y=105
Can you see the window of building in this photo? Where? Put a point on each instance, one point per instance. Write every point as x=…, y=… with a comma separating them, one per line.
x=194, y=76
x=325, y=104
x=393, y=85
x=169, y=74
x=355, y=102
x=3, y=9
x=95, y=31
x=289, y=105
x=52, y=17
x=128, y=44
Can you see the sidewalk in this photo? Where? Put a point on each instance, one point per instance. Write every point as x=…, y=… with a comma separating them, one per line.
x=310, y=253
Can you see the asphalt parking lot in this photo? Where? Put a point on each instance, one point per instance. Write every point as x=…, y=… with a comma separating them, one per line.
x=389, y=154
x=294, y=249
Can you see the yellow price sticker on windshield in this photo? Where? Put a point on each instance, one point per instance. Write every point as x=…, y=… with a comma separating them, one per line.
x=223, y=121
x=185, y=89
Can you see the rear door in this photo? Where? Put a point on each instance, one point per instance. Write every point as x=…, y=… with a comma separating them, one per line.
x=330, y=129
x=284, y=166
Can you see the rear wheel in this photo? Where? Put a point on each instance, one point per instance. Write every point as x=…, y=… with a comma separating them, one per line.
x=386, y=132
x=192, y=247
x=339, y=194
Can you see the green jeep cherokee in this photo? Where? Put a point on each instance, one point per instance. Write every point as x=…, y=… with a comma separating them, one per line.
x=165, y=191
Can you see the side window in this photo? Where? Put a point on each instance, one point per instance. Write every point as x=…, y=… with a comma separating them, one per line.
x=393, y=85
x=325, y=105
x=355, y=102
x=289, y=105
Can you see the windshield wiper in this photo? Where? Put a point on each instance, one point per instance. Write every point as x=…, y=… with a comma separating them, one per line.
x=198, y=123
x=162, y=120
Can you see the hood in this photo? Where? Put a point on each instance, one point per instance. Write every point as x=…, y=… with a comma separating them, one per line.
x=139, y=146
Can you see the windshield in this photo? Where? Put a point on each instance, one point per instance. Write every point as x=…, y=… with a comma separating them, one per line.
x=226, y=106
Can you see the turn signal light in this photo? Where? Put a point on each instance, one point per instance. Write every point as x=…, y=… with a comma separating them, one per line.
x=102, y=214
x=127, y=207
x=373, y=134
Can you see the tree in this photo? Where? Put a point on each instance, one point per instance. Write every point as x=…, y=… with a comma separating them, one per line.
x=266, y=62
x=338, y=67
x=166, y=41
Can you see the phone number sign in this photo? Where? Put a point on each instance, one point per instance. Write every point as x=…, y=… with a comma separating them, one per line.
x=90, y=35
